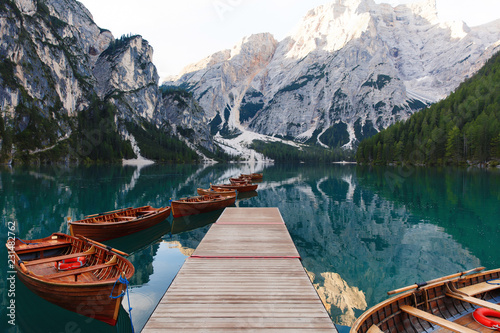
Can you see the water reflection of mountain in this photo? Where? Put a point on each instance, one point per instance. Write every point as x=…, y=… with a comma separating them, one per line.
x=40, y=199
x=465, y=203
x=339, y=298
x=373, y=244
x=358, y=236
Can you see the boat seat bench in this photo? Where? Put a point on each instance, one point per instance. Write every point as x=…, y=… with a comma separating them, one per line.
x=79, y=270
x=374, y=329
x=43, y=247
x=435, y=319
x=480, y=288
x=59, y=258
x=146, y=213
x=475, y=301
x=126, y=217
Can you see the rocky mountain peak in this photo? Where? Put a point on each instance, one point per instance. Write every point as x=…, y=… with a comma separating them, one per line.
x=426, y=9
x=255, y=45
x=252, y=48
x=330, y=27
x=349, y=69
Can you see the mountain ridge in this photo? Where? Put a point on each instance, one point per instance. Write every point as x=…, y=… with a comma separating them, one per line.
x=350, y=69
x=327, y=78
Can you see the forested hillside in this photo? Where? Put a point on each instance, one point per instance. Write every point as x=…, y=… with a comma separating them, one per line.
x=283, y=153
x=463, y=128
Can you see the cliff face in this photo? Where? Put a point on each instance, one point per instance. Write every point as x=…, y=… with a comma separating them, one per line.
x=56, y=63
x=187, y=119
x=47, y=55
x=350, y=69
x=125, y=74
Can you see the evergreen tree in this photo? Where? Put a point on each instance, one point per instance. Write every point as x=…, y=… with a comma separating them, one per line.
x=495, y=147
x=453, y=145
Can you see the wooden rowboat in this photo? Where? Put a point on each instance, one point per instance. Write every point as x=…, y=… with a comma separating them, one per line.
x=252, y=176
x=222, y=192
x=85, y=290
x=118, y=223
x=201, y=204
x=441, y=305
x=239, y=180
x=238, y=187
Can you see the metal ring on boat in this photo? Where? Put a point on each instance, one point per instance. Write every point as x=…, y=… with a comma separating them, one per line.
x=481, y=316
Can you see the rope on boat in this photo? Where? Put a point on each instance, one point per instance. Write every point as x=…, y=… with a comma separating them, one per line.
x=495, y=283
x=19, y=239
x=123, y=280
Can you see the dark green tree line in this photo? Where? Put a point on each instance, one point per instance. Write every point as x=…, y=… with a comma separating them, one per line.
x=463, y=127
x=283, y=153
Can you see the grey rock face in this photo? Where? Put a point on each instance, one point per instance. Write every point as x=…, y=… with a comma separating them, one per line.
x=350, y=69
x=55, y=60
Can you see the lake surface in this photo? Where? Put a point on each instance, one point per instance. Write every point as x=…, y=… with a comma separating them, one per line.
x=360, y=231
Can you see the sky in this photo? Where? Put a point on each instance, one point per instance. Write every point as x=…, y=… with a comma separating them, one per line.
x=183, y=32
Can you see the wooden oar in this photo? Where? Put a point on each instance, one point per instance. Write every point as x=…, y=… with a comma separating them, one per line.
x=21, y=264
x=113, y=211
x=102, y=245
x=416, y=285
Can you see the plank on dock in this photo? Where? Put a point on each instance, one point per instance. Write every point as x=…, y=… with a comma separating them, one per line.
x=244, y=276
x=250, y=215
x=269, y=240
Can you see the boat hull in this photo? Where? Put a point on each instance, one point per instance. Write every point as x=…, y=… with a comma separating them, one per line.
x=239, y=181
x=253, y=176
x=237, y=187
x=84, y=290
x=182, y=208
x=224, y=193
x=92, y=301
x=102, y=231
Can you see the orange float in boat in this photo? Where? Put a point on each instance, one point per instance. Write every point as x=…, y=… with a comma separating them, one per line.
x=483, y=316
x=71, y=263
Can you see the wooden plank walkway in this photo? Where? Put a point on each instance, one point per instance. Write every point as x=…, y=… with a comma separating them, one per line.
x=244, y=276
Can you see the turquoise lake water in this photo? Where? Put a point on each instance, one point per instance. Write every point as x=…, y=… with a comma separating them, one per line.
x=360, y=231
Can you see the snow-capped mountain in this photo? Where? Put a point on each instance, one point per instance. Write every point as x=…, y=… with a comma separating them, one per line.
x=350, y=69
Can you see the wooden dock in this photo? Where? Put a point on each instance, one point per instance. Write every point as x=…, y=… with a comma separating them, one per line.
x=244, y=276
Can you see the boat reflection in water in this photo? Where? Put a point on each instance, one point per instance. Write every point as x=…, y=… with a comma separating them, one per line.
x=246, y=195
x=191, y=222
x=141, y=239
x=143, y=247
